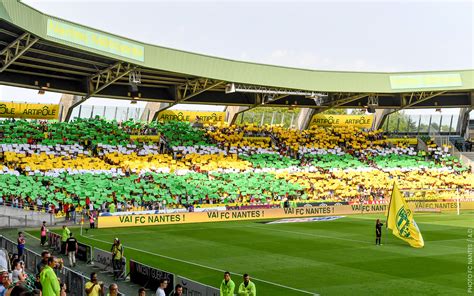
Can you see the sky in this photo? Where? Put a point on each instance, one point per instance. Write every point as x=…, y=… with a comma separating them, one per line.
x=323, y=35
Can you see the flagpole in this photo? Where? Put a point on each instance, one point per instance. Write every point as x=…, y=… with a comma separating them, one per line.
x=388, y=210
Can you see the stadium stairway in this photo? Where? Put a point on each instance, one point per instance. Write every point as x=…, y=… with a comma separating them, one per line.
x=33, y=243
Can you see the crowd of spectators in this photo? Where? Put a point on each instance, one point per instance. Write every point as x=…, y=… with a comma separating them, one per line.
x=99, y=168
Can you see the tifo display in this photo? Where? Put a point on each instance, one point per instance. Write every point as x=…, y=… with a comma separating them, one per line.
x=109, y=166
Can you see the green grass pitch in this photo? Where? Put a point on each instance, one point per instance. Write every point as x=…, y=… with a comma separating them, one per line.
x=327, y=258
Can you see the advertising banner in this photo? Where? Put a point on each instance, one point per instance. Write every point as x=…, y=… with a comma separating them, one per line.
x=194, y=288
x=407, y=141
x=425, y=80
x=257, y=139
x=360, y=121
x=220, y=216
x=258, y=214
x=191, y=116
x=103, y=259
x=444, y=205
x=145, y=138
x=94, y=39
x=26, y=110
x=149, y=277
x=321, y=203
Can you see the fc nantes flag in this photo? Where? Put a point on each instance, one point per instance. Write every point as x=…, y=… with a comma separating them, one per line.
x=400, y=220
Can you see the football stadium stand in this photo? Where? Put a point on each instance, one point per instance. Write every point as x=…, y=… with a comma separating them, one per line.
x=93, y=163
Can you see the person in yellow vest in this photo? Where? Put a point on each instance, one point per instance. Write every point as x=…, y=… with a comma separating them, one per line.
x=227, y=285
x=117, y=254
x=49, y=280
x=247, y=288
x=64, y=236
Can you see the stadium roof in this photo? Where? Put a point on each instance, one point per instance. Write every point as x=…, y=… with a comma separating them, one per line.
x=41, y=51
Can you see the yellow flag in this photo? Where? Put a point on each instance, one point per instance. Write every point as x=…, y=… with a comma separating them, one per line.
x=400, y=220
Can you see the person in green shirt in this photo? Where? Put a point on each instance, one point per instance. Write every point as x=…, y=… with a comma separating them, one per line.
x=227, y=285
x=48, y=279
x=64, y=236
x=247, y=288
x=111, y=207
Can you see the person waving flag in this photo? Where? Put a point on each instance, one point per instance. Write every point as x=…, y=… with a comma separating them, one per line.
x=400, y=220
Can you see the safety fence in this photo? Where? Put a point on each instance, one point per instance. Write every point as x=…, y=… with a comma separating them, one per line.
x=74, y=280
x=139, y=273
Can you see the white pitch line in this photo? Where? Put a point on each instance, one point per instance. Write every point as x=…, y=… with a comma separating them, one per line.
x=210, y=267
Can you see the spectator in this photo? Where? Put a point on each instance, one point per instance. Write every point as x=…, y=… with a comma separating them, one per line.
x=141, y=292
x=178, y=290
x=17, y=273
x=161, y=288
x=227, y=286
x=49, y=280
x=21, y=245
x=247, y=288
x=117, y=254
x=72, y=210
x=94, y=287
x=71, y=249
x=91, y=220
x=5, y=282
x=44, y=261
x=113, y=290
x=43, y=233
x=64, y=290
x=19, y=290
x=64, y=236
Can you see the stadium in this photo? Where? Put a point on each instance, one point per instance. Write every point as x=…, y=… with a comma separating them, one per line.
x=285, y=184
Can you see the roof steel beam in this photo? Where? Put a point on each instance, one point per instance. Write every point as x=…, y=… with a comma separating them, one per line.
x=195, y=87
x=101, y=80
x=16, y=49
x=415, y=98
x=341, y=99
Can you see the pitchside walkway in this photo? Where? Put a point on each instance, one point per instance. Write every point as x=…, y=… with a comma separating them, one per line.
x=33, y=243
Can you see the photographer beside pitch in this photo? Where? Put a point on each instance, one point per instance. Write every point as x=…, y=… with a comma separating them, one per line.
x=117, y=254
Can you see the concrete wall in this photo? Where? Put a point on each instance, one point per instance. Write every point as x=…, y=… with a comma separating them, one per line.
x=14, y=217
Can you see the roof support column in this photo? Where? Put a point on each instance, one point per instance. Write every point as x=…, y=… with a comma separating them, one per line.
x=152, y=109
x=463, y=120
x=233, y=111
x=304, y=118
x=66, y=103
x=380, y=116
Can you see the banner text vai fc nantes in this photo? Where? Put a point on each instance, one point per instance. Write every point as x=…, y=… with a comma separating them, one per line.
x=25, y=110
